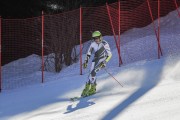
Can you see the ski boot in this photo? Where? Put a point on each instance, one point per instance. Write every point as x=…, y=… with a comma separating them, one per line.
x=93, y=89
x=86, y=90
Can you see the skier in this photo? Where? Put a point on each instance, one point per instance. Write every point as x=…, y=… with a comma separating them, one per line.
x=102, y=54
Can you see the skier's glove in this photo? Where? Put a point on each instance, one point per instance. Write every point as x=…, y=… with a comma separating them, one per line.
x=85, y=64
x=103, y=64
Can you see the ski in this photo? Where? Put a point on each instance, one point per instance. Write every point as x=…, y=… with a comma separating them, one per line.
x=80, y=97
x=75, y=98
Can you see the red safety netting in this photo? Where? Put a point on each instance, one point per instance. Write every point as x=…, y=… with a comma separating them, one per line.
x=132, y=15
x=47, y=42
x=20, y=38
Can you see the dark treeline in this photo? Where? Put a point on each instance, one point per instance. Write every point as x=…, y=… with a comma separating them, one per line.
x=33, y=8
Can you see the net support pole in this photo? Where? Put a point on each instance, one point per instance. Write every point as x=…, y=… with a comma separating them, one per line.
x=42, y=47
x=80, y=40
x=119, y=31
x=0, y=54
x=156, y=33
x=175, y=1
x=110, y=19
x=160, y=52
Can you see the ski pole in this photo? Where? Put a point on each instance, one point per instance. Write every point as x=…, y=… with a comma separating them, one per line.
x=113, y=77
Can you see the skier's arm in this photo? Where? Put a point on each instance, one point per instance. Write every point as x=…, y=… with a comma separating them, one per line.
x=109, y=55
x=108, y=58
x=88, y=55
x=108, y=50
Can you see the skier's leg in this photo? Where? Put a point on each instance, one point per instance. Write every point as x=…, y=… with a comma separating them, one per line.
x=90, y=87
x=92, y=76
x=89, y=83
x=94, y=69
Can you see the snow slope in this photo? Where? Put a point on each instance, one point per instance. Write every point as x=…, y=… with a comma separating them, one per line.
x=151, y=87
x=151, y=92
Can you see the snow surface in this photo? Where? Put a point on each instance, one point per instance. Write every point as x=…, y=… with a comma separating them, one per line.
x=151, y=86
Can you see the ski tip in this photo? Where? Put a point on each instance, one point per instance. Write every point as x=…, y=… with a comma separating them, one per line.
x=75, y=98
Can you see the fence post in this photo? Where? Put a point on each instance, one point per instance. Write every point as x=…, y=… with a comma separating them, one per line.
x=157, y=34
x=175, y=1
x=80, y=40
x=119, y=30
x=0, y=55
x=42, y=47
x=160, y=52
x=110, y=19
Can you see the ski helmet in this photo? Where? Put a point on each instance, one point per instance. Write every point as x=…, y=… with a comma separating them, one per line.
x=97, y=34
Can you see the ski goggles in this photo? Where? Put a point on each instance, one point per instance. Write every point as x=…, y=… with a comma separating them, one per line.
x=95, y=38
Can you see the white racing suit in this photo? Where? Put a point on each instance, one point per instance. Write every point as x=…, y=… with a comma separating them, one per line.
x=102, y=53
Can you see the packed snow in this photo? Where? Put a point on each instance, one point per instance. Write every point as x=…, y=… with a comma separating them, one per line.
x=151, y=86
